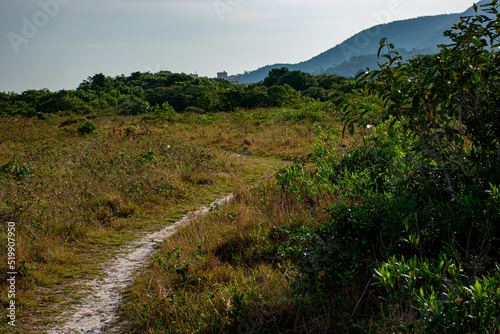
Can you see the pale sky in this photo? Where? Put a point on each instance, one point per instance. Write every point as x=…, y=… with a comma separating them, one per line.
x=56, y=44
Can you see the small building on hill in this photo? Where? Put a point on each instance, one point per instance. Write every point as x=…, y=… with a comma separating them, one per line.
x=236, y=80
x=222, y=75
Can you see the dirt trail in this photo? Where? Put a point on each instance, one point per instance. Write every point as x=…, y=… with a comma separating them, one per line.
x=98, y=312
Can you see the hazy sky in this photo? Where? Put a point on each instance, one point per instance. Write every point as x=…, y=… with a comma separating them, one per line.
x=56, y=44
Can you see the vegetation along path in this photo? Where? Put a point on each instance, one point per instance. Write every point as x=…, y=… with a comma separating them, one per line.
x=98, y=312
x=80, y=197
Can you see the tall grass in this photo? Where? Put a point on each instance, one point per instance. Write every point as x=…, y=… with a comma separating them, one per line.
x=77, y=195
x=231, y=271
x=222, y=273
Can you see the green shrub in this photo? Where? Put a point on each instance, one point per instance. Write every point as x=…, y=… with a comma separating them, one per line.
x=440, y=297
x=148, y=156
x=68, y=122
x=165, y=113
x=195, y=110
x=87, y=127
x=207, y=119
x=383, y=209
x=16, y=170
x=449, y=102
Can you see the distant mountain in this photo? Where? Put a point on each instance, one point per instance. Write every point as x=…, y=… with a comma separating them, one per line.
x=358, y=63
x=420, y=35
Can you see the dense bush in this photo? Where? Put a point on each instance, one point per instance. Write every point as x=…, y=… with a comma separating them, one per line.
x=139, y=92
x=416, y=229
x=86, y=127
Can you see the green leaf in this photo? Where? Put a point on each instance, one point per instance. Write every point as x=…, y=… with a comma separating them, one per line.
x=392, y=123
x=444, y=53
x=363, y=113
x=374, y=73
x=477, y=79
x=415, y=103
x=350, y=128
x=478, y=287
x=365, y=107
x=360, y=77
x=476, y=42
x=381, y=46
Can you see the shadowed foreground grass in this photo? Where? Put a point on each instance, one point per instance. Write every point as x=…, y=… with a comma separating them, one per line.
x=223, y=272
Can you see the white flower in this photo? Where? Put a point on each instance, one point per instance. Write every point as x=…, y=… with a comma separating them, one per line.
x=369, y=126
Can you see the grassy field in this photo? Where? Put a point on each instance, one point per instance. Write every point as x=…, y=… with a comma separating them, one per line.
x=77, y=197
x=228, y=272
x=223, y=273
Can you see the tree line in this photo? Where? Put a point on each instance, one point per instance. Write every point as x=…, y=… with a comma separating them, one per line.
x=141, y=93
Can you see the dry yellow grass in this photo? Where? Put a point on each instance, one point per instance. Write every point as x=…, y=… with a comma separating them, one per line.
x=75, y=199
x=222, y=273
